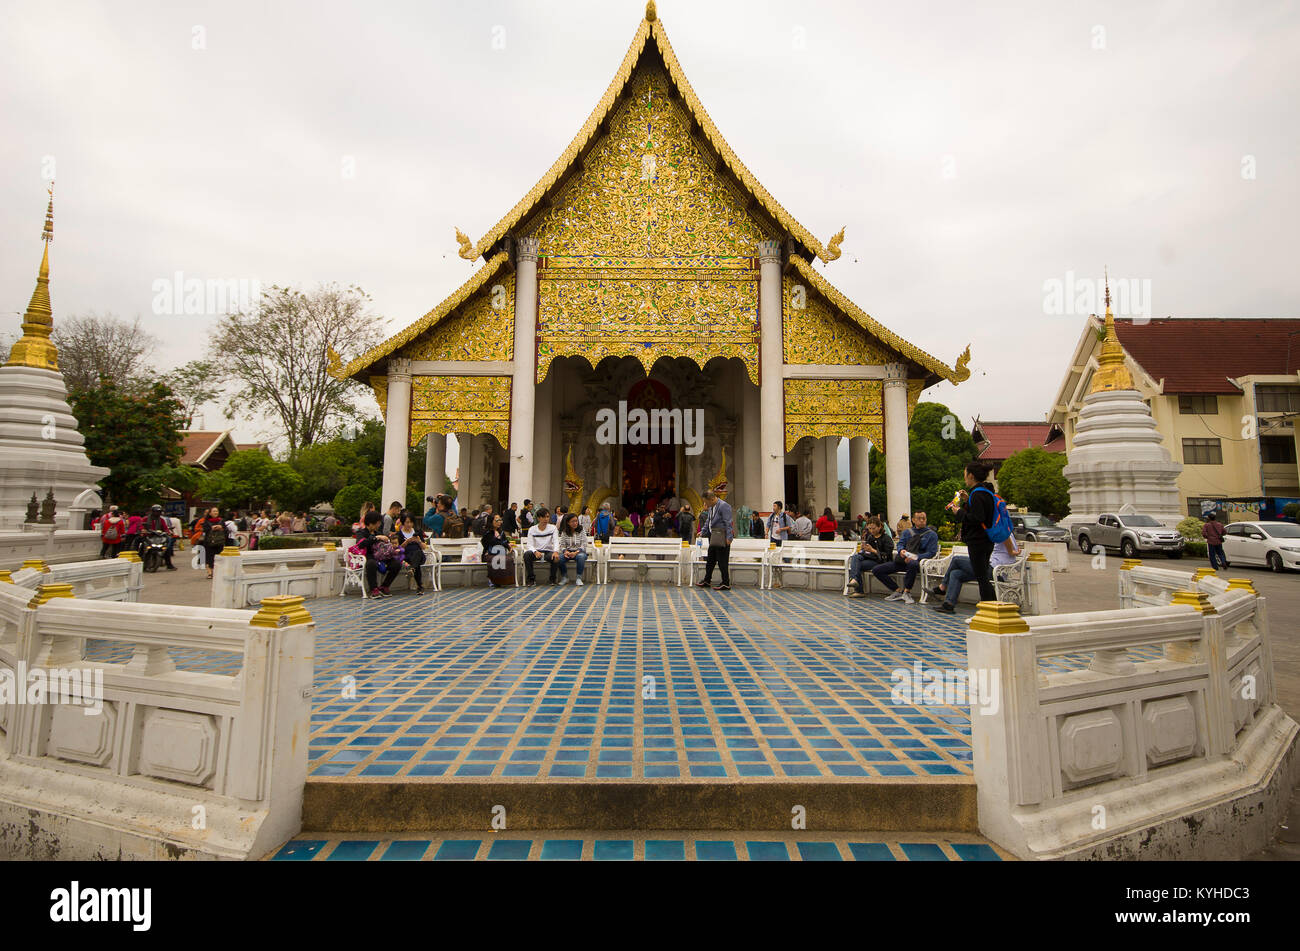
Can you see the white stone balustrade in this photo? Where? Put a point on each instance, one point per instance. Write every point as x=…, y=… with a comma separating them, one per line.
x=43, y=542
x=243, y=578
x=1185, y=755
x=109, y=579
x=172, y=763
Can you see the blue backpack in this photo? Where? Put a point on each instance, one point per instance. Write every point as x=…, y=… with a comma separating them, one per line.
x=1001, y=528
x=603, y=522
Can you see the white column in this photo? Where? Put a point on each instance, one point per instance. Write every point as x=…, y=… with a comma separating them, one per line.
x=859, y=476
x=771, y=395
x=898, y=477
x=522, y=388
x=543, y=433
x=397, y=430
x=832, y=493
x=469, y=478
x=435, y=465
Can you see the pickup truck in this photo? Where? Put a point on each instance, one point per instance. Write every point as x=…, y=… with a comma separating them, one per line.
x=1130, y=534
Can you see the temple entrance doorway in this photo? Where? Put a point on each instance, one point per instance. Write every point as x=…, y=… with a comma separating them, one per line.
x=649, y=464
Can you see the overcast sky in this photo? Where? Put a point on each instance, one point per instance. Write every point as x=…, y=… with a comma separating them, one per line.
x=972, y=153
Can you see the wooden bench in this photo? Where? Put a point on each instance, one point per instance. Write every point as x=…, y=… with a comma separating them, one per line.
x=641, y=553
x=817, y=559
x=746, y=554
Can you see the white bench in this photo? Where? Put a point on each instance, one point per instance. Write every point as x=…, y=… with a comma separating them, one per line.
x=448, y=555
x=746, y=554
x=817, y=559
x=643, y=554
x=1010, y=582
x=593, y=560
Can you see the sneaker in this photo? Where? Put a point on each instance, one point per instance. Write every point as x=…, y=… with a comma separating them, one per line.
x=383, y=589
x=578, y=582
x=858, y=594
x=937, y=591
x=703, y=584
x=564, y=581
x=943, y=607
x=376, y=593
x=171, y=567
x=853, y=583
x=419, y=591
x=896, y=596
x=532, y=582
x=907, y=598
x=722, y=587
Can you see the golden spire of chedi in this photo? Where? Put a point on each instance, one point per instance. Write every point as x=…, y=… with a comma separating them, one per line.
x=1112, y=373
x=34, y=348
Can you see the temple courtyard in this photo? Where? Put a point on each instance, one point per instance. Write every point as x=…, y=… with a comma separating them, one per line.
x=572, y=721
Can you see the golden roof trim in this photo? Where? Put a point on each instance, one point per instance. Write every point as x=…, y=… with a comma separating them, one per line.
x=864, y=320
x=650, y=28
x=403, y=337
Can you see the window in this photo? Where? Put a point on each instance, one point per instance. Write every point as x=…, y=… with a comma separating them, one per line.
x=1202, y=452
x=1198, y=405
x=1277, y=449
x=1236, y=529
x=1277, y=399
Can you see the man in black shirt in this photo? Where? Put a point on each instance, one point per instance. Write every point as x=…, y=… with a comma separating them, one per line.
x=975, y=514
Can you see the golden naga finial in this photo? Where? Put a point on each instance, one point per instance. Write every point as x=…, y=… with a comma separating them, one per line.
x=650, y=10
x=962, y=369
x=572, y=484
x=833, y=246
x=34, y=348
x=334, y=363
x=719, y=483
x=1112, y=372
x=466, y=246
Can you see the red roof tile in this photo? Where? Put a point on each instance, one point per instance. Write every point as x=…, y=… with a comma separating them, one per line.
x=1197, y=355
x=1002, y=440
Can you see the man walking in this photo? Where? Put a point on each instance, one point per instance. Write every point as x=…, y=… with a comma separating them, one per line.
x=715, y=525
x=1212, y=531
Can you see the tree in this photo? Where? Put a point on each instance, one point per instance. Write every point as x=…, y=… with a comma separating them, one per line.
x=347, y=504
x=844, y=499
x=195, y=383
x=1032, y=479
x=96, y=350
x=277, y=356
x=326, y=468
x=248, y=478
x=931, y=500
x=938, y=448
x=133, y=433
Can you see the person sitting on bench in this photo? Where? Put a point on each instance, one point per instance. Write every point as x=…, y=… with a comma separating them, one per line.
x=914, y=546
x=876, y=548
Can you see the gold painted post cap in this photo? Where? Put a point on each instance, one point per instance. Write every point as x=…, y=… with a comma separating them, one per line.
x=1196, y=599
x=281, y=610
x=998, y=617
x=129, y=556
x=229, y=551
x=6, y=576
x=330, y=546
x=1036, y=556
x=1130, y=563
x=37, y=563
x=1204, y=572
x=48, y=592
x=1242, y=584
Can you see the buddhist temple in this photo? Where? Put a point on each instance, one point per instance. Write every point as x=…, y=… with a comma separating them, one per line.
x=649, y=268
x=41, y=450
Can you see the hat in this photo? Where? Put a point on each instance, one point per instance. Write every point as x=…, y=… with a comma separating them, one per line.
x=156, y=508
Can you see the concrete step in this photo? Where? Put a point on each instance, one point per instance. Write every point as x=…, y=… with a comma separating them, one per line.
x=663, y=845
x=359, y=805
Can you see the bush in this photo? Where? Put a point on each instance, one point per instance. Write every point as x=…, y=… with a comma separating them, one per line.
x=340, y=531
x=1199, y=549
x=1190, y=528
x=1291, y=510
x=271, y=542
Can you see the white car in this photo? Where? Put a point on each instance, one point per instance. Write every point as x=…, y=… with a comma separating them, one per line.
x=1273, y=544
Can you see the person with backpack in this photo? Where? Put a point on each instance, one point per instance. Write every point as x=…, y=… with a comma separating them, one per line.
x=604, y=524
x=112, y=533
x=685, y=522
x=483, y=521
x=526, y=518
x=212, y=531
x=984, y=522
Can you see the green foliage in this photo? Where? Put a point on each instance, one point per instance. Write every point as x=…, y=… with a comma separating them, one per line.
x=1190, y=528
x=250, y=478
x=1291, y=509
x=271, y=542
x=326, y=468
x=135, y=433
x=845, y=500
x=1032, y=479
x=340, y=530
x=347, y=503
x=932, y=499
x=1197, y=549
x=939, y=447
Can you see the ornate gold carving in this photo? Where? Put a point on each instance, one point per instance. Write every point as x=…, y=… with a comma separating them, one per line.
x=833, y=246
x=399, y=340
x=380, y=385
x=466, y=245
x=962, y=371
x=690, y=495
x=482, y=328
x=599, y=496
x=848, y=408
x=650, y=30
x=719, y=483
x=914, y=388
x=858, y=316
x=572, y=483
x=816, y=334
x=461, y=404
x=35, y=348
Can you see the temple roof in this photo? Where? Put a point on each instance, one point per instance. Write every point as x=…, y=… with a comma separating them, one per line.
x=649, y=34
x=1204, y=355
